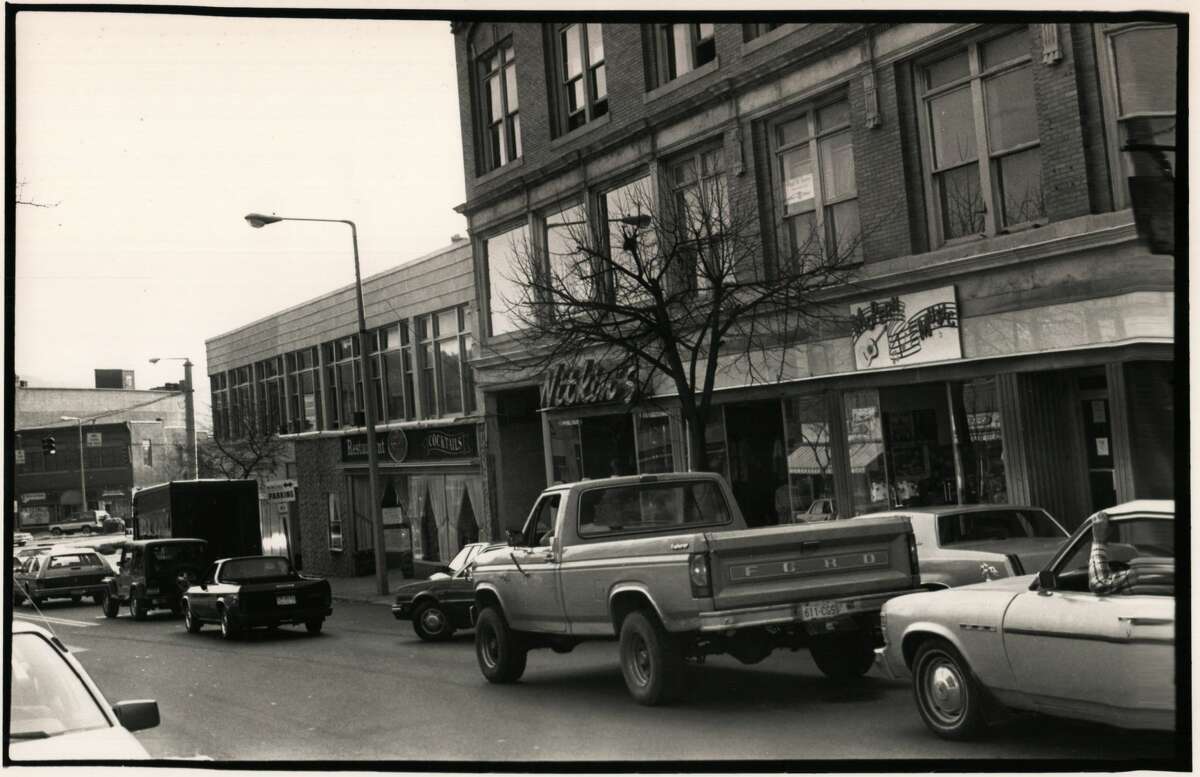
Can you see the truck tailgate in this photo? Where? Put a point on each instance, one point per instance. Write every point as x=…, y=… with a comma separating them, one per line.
x=804, y=562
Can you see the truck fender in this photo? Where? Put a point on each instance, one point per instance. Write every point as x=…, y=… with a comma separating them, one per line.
x=623, y=592
x=486, y=594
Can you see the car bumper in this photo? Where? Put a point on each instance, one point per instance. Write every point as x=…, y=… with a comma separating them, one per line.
x=402, y=611
x=280, y=615
x=783, y=614
x=58, y=592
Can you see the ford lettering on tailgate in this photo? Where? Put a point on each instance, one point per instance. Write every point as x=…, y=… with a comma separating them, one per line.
x=808, y=566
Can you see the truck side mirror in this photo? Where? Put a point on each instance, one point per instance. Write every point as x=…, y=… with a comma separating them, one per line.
x=515, y=537
x=1047, y=581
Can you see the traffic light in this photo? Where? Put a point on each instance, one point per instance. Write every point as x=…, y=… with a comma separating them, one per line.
x=48, y=446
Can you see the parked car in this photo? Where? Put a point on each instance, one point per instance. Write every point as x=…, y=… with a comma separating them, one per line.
x=963, y=544
x=1044, y=642
x=111, y=524
x=247, y=591
x=61, y=572
x=22, y=538
x=440, y=605
x=58, y=713
x=84, y=524
x=153, y=574
x=666, y=564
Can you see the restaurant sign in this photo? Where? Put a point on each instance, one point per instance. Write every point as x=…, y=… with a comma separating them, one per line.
x=589, y=383
x=906, y=329
x=415, y=445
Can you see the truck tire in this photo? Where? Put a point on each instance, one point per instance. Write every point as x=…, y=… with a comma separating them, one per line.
x=314, y=626
x=650, y=660
x=951, y=702
x=846, y=655
x=110, y=606
x=137, y=608
x=501, y=652
x=431, y=623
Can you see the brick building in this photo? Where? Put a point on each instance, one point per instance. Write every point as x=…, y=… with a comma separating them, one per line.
x=982, y=166
x=296, y=374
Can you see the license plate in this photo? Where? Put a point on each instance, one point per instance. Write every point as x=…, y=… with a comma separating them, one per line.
x=287, y=599
x=80, y=592
x=813, y=611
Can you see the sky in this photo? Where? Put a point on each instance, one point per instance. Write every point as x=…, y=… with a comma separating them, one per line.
x=151, y=136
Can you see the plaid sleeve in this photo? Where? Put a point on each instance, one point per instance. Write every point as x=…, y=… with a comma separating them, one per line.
x=1102, y=580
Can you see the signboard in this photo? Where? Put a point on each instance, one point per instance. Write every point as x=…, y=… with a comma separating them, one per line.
x=113, y=492
x=906, y=329
x=398, y=446
x=281, y=491
x=35, y=496
x=94, y=439
x=569, y=385
x=19, y=454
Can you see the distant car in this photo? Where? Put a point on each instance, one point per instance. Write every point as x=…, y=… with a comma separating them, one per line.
x=58, y=713
x=111, y=524
x=153, y=574
x=248, y=591
x=964, y=544
x=84, y=525
x=61, y=573
x=440, y=605
x=22, y=538
x=1044, y=642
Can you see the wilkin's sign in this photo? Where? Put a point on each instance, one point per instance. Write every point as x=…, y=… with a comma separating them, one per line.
x=906, y=329
x=588, y=384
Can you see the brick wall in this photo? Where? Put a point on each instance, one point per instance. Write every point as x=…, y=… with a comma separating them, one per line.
x=1091, y=114
x=318, y=473
x=879, y=160
x=1064, y=168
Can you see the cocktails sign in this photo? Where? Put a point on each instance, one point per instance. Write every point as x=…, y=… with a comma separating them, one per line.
x=906, y=329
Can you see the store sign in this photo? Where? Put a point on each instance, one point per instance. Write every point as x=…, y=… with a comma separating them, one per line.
x=36, y=496
x=281, y=491
x=415, y=445
x=569, y=385
x=19, y=454
x=906, y=329
x=113, y=492
x=94, y=439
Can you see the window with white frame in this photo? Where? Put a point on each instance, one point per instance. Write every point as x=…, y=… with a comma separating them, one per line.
x=980, y=138
x=399, y=403
x=499, y=106
x=302, y=387
x=570, y=269
x=680, y=49
x=700, y=213
x=817, y=190
x=506, y=292
x=1140, y=63
x=626, y=212
x=582, y=94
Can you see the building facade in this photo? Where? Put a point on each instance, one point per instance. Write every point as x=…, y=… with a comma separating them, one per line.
x=1009, y=337
x=296, y=375
x=129, y=438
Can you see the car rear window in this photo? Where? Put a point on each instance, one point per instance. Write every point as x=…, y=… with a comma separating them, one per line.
x=246, y=569
x=178, y=552
x=651, y=507
x=982, y=526
x=74, y=560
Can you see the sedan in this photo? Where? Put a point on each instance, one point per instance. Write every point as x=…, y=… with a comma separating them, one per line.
x=1045, y=642
x=58, y=713
x=440, y=605
x=963, y=544
x=59, y=573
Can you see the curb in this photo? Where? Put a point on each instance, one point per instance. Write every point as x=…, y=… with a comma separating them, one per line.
x=358, y=600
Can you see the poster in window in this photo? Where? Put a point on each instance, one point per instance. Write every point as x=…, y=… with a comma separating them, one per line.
x=799, y=189
x=1101, y=446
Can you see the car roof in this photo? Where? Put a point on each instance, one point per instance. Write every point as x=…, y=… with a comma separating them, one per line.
x=1165, y=507
x=240, y=558
x=950, y=509
x=164, y=541
x=633, y=480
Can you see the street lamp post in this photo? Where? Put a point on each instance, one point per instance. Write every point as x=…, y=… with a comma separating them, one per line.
x=82, y=473
x=258, y=220
x=189, y=409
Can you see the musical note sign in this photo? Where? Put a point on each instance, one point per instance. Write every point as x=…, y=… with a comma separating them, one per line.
x=906, y=329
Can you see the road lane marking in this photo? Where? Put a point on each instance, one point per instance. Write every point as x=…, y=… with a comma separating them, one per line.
x=34, y=619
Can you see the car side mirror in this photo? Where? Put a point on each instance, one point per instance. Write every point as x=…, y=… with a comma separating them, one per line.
x=1047, y=581
x=137, y=715
x=203, y=585
x=515, y=537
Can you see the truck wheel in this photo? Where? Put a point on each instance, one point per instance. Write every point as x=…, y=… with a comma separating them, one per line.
x=76, y=599
x=431, y=623
x=56, y=530
x=190, y=623
x=229, y=629
x=650, y=660
x=501, y=653
x=950, y=700
x=97, y=598
x=844, y=656
x=110, y=606
x=314, y=626
x=138, y=609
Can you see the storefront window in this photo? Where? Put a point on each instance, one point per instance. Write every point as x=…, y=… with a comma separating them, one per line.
x=980, y=442
x=714, y=443
x=864, y=443
x=654, y=444
x=809, y=462
x=608, y=447
x=566, y=450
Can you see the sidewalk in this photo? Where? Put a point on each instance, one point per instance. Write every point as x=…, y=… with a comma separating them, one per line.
x=364, y=589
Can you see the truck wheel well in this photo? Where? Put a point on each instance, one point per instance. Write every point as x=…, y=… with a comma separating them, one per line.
x=626, y=602
x=486, y=598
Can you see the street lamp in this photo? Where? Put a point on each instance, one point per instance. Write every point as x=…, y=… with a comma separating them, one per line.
x=189, y=409
x=82, y=475
x=258, y=220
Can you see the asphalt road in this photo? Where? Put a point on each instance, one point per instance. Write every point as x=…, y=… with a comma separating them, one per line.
x=368, y=689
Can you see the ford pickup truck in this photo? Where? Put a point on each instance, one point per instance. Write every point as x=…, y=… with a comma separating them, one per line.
x=665, y=564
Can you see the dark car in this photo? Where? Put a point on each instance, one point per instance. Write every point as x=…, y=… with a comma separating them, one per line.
x=61, y=573
x=442, y=604
x=248, y=591
x=153, y=574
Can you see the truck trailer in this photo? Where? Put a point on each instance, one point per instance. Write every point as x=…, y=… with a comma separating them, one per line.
x=224, y=513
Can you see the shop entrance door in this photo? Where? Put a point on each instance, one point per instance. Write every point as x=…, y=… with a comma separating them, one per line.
x=757, y=462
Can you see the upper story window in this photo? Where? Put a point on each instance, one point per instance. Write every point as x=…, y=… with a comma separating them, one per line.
x=241, y=411
x=758, y=29
x=499, y=107
x=979, y=129
x=632, y=243
x=302, y=388
x=445, y=348
x=343, y=382
x=582, y=84
x=1140, y=65
x=270, y=395
x=681, y=48
x=570, y=269
x=506, y=293
x=700, y=211
x=395, y=386
x=817, y=192
x=220, y=405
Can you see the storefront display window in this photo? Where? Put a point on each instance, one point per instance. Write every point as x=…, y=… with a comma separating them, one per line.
x=810, y=462
x=864, y=443
x=608, y=447
x=980, y=440
x=566, y=450
x=654, y=444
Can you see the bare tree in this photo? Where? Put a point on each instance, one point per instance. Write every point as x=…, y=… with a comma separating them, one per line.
x=676, y=290
x=250, y=450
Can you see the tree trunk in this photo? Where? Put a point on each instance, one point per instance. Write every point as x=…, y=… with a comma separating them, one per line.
x=697, y=443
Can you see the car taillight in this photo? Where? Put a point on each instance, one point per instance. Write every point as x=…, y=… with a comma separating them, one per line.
x=1015, y=565
x=913, y=562
x=698, y=572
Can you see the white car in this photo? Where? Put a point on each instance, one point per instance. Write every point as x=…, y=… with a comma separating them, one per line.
x=1044, y=642
x=58, y=713
x=21, y=538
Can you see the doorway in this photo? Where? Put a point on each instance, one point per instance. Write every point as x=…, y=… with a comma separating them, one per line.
x=757, y=462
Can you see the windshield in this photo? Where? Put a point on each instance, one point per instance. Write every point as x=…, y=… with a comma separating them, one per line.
x=48, y=698
x=240, y=570
x=460, y=561
x=651, y=506
x=178, y=552
x=961, y=528
x=74, y=560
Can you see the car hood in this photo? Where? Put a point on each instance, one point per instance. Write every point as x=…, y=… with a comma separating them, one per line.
x=1034, y=552
x=112, y=742
x=409, y=590
x=1012, y=584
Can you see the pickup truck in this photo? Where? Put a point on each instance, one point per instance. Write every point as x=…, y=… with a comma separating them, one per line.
x=666, y=564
